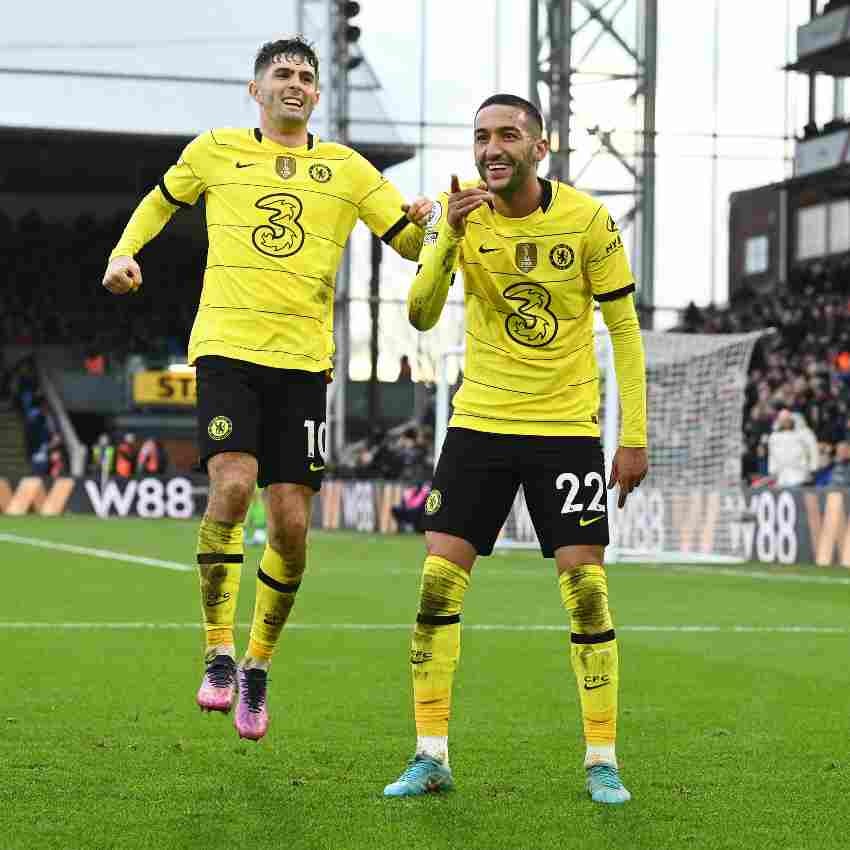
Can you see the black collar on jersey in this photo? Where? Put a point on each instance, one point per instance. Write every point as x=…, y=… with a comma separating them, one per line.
x=545, y=193
x=311, y=141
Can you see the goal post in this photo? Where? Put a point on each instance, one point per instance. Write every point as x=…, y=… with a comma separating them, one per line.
x=691, y=505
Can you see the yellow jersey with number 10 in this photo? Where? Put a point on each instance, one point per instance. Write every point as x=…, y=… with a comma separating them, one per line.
x=277, y=222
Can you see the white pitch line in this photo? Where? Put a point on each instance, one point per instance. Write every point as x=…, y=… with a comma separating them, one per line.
x=797, y=578
x=125, y=557
x=106, y=554
x=622, y=571
x=476, y=627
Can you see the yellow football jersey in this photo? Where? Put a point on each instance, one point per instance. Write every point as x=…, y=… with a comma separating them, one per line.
x=530, y=364
x=277, y=222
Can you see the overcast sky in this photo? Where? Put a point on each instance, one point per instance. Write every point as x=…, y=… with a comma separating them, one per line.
x=470, y=50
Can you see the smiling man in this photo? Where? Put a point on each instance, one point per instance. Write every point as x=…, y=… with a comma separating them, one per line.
x=535, y=254
x=280, y=205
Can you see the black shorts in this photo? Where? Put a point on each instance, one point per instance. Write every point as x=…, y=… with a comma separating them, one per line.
x=477, y=479
x=277, y=415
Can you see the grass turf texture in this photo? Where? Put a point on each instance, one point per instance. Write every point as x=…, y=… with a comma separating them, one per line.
x=727, y=740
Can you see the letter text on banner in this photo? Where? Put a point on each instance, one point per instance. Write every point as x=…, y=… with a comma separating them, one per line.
x=168, y=388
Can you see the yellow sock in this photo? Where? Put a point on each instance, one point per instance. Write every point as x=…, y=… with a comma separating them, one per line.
x=435, y=649
x=220, y=557
x=584, y=592
x=277, y=584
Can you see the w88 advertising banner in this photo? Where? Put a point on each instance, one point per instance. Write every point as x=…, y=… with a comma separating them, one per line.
x=771, y=526
x=780, y=526
x=148, y=498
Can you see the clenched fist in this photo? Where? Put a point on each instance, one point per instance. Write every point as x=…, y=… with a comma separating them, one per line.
x=419, y=211
x=122, y=275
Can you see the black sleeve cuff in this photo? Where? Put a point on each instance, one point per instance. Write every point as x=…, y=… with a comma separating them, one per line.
x=395, y=230
x=170, y=198
x=617, y=293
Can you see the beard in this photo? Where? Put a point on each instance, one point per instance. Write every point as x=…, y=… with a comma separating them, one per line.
x=520, y=169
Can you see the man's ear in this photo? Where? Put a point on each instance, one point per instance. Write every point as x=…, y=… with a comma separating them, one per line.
x=541, y=149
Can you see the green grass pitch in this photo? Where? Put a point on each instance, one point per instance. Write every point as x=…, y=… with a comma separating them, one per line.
x=729, y=738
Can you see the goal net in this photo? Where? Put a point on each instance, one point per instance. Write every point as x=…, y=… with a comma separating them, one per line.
x=690, y=506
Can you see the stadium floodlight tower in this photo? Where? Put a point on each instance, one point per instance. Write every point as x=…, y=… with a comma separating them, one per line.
x=592, y=66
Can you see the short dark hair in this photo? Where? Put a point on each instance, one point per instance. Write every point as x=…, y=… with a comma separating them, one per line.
x=295, y=46
x=531, y=111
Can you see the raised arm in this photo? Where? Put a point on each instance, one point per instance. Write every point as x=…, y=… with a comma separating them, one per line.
x=150, y=216
x=441, y=253
x=180, y=187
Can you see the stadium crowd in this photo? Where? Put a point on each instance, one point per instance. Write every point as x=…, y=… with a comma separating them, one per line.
x=45, y=448
x=57, y=298
x=797, y=409
x=126, y=457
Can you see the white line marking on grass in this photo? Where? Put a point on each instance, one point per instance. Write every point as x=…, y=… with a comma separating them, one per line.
x=623, y=570
x=798, y=578
x=106, y=554
x=475, y=627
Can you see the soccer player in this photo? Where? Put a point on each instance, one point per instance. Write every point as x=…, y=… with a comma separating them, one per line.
x=535, y=254
x=280, y=205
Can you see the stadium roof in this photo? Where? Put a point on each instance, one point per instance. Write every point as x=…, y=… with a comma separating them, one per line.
x=157, y=90
x=56, y=160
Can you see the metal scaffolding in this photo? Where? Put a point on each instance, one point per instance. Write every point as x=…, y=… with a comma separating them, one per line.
x=327, y=20
x=607, y=48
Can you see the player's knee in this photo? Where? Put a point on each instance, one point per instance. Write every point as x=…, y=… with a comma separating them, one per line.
x=232, y=494
x=288, y=533
x=570, y=557
x=584, y=592
x=454, y=549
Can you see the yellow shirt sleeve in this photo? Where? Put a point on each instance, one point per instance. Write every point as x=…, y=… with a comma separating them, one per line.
x=380, y=209
x=607, y=266
x=180, y=187
x=183, y=183
x=439, y=258
x=622, y=323
x=148, y=219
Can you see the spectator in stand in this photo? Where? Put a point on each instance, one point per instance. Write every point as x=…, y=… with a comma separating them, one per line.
x=102, y=457
x=151, y=458
x=410, y=511
x=410, y=454
x=21, y=382
x=789, y=459
x=811, y=441
x=95, y=363
x=125, y=456
x=804, y=366
x=56, y=463
x=841, y=468
x=404, y=372
x=40, y=429
x=823, y=473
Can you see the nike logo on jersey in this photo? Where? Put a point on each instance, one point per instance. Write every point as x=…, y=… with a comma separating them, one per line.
x=483, y=250
x=316, y=467
x=246, y=164
x=594, y=687
x=583, y=522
